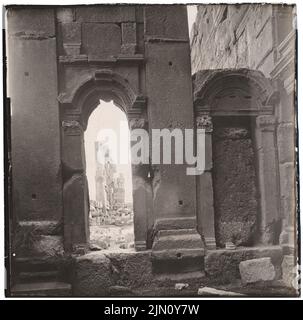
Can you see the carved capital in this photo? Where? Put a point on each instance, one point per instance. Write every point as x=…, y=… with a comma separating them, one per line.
x=137, y=123
x=72, y=127
x=204, y=122
x=266, y=122
x=72, y=49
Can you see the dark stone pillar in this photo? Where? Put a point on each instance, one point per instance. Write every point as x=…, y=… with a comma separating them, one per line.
x=35, y=132
x=75, y=189
x=142, y=193
x=170, y=106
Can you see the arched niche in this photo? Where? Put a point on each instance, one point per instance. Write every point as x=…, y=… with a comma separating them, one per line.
x=76, y=107
x=240, y=87
x=237, y=97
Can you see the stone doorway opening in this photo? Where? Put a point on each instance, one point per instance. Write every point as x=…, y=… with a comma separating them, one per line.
x=109, y=177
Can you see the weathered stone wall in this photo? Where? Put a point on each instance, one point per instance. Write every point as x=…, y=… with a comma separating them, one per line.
x=239, y=36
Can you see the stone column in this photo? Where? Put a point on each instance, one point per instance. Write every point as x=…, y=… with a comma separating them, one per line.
x=205, y=197
x=75, y=188
x=142, y=193
x=267, y=177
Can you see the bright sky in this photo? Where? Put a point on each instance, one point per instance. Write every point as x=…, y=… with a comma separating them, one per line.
x=191, y=14
x=108, y=116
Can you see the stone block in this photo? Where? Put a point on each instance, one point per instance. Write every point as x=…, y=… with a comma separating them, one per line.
x=287, y=189
x=47, y=228
x=186, y=238
x=131, y=269
x=71, y=37
x=166, y=22
x=129, y=38
x=181, y=286
x=106, y=14
x=289, y=271
x=129, y=32
x=223, y=265
x=109, y=39
x=257, y=270
x=65, y=15
x=286, y=107
x=286, y=142
x=71, y=32
x=48, y=246
x=31, y=23
x=93, y=275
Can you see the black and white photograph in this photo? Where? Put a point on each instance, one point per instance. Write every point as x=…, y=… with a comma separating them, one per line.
x=151, y=150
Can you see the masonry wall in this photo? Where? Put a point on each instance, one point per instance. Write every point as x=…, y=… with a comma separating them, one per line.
x=258, y=37
x=239, y=36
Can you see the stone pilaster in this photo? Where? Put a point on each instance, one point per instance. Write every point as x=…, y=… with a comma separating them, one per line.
x=142, y=194
x=267, y=177
x=205, y=201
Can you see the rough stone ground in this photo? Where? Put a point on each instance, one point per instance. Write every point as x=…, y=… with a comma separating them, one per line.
x=112, y=237
x=192, y=291
x=108, y=273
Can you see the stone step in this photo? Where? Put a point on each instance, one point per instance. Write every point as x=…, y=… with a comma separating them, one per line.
x=181, y=240
x=32, y=264
x=180, y=277
x=41, y=276
x=41, y=289
x=175, y=232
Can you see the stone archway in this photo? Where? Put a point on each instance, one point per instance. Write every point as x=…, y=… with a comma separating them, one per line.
x=76, y=109
x=141, y=61
x=237, y=95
